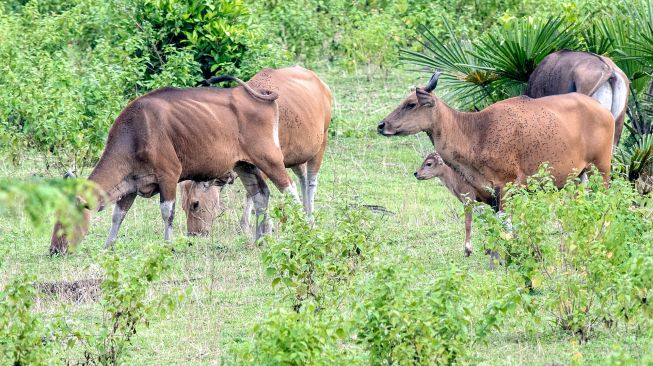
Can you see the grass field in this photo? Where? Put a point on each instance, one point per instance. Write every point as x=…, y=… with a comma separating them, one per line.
x=228, y=289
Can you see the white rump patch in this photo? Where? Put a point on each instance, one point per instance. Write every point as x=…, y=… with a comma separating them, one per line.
x=275, y=131
x=604, y=95
x=619, y=96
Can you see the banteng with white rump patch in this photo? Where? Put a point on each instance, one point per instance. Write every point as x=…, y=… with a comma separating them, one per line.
x=586, y=73
x=304, y=118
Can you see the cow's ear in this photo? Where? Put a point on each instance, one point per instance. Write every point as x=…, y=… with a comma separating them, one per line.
x=424, y=98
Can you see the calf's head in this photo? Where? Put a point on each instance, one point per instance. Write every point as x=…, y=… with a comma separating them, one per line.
x=414, y=114
x=433, y=166
x=201, y=202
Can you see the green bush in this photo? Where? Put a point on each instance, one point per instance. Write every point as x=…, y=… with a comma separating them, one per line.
x=583, y=248
x=24, y=336
x=290, y=338
x=222, y=35
x=314, y=262
x=66, y=76
x=402, y=323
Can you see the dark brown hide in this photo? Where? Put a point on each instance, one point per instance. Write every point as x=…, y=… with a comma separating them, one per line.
x=586, y=73
x=304, y=117
x=199, y=134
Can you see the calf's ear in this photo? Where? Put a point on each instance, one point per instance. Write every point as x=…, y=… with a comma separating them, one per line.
x=424, y=98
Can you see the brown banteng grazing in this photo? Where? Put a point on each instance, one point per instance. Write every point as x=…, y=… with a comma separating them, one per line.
x=433, y=166
x=586, y=73
x=509, y=140
x=199, y=134
x=304, y=118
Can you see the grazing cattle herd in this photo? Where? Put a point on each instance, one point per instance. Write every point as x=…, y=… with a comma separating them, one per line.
x=571, y=118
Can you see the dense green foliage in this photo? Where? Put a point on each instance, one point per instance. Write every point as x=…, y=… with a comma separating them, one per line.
x=584, y=250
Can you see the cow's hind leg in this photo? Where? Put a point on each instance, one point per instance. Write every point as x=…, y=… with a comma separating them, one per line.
x=302, y=175
x=259, y=193
x=313, y=171
x=247, y=212
x=120, y=209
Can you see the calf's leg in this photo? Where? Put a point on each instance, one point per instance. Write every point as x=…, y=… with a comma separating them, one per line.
x=468, y=231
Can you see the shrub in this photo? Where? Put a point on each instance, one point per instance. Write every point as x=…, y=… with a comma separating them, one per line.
x=583, y=247
x=313, y=262
x=220, y=34
x=62, y=108
x=401, y=322
x=24, y=336
x=126, y=304
x=294, y=338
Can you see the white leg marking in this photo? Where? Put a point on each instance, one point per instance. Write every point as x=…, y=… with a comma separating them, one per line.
x=167, y=213
x=116, y=219
x=247, y=212
x=292, y=191
x=312, y=189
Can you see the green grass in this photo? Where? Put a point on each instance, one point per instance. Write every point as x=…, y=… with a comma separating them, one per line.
x=228, y=289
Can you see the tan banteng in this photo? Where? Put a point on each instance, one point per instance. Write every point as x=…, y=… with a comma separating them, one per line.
x=509, y=140
x=586, y=73
x=304, y=117
x=200, y=134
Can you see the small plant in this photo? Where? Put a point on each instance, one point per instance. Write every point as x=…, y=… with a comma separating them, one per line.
x=402, y=322
x=312, y=261
x=24, y=336
x=126, y=305
x=294, y=338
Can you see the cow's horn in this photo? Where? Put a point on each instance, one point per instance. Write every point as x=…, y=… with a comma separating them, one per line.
x=430, y=86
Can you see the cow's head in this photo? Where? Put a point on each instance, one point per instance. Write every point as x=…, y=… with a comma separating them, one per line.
x=413, y=114
x=201, y=202
x=433, y=166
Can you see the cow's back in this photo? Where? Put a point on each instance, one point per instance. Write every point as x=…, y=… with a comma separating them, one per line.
x=304, y=110
x=568, y=71
x=567, y=131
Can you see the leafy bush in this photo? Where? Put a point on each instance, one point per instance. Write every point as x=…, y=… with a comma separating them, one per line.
x=41, y=199
x=220, y=34
x=311, y=262
x=23, y=334
x=294, y=338
x=584, y=248
x=407, y=324
x=65, y=78
x=126, y=304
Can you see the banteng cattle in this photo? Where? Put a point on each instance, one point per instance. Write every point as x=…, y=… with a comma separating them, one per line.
x=586, y=73
x=199, y=134
x=509, y=140
x=304, y=118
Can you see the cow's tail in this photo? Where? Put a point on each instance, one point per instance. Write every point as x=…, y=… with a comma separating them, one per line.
x=262, y=94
